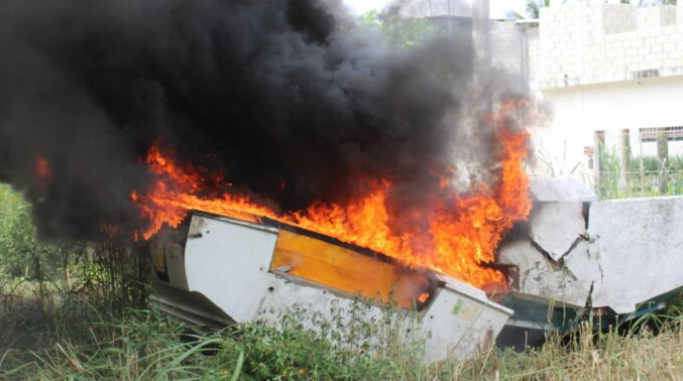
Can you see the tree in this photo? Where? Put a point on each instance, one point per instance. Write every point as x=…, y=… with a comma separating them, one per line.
x=403, y=32
x=533, y=9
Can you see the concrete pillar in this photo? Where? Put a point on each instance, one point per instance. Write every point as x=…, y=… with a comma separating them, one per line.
x=482, y=32
x=600, y=150
x=625, y=153
x=663, y=156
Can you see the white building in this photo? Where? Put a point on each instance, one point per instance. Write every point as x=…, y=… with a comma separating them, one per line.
x=612, y=75
x=606, y=67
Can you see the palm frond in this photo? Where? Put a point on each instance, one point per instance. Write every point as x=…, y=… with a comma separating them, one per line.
x=513, y=15
x=533, y=9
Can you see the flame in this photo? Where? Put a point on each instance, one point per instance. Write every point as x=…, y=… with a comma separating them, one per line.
x=464, y=230
x=42, y=168
x=175, y=192
x=423, y=297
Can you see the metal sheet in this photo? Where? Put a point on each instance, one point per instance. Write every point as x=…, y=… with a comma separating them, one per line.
x=228, y=263
x=462, y=322
x=349, y=271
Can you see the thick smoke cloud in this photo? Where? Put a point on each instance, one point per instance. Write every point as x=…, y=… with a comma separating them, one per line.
x=283, y=96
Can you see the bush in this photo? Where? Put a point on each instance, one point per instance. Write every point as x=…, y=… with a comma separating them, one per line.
x=23, y=257
x=352, y=345
x=144, y=345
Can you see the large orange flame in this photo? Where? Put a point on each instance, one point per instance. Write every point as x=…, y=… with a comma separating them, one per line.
x=463, y=234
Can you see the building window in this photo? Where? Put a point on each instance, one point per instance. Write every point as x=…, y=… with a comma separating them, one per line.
x=650, y=134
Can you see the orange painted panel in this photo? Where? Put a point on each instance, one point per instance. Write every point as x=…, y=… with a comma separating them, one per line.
x=346, y=270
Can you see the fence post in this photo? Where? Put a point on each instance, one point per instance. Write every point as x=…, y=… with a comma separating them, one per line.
x=625, y=146
x=642, y=164
x=663, y=155
x=599, y=146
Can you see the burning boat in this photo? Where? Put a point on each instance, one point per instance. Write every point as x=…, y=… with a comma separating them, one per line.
x=290, y=161
x=215, y=271
x=226, y=258
x=312, y=147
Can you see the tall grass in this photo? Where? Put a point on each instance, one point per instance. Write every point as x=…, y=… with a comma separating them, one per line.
x=24, y=260
x=112, y=273
x=655, y=178
x=144, y=345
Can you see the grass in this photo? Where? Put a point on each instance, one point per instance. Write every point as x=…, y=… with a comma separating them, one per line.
x=85, y=318
x=657, y=178
x=144, y=345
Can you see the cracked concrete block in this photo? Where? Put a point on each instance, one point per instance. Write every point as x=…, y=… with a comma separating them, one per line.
x=631, y=252
x=533, y=270
x=639, y=245
x=586, y=270
x=560, y=189
x=519, y=253
x=541, y=276
x=557, y=226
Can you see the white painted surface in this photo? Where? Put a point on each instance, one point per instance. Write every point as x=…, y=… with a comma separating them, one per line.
x=556, y=226
x=565, y=189
x=539, y=277
x=228, y=262
x=458, y=323
x=461, y=323
x=639, y=244
x=633, y=252
x=585, y=270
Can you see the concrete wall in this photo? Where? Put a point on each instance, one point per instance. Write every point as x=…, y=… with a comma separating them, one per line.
x=435, y=8
x=639, y=248
x=621, y=253
x=593, y=42
x=533, y=47
x=508, y=47
x=618, y=18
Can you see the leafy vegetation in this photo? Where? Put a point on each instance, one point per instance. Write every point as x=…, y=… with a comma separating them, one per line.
x=402, y=32
x=144, y=345
x=655, y=177
x=533, y=9
x=24, y=259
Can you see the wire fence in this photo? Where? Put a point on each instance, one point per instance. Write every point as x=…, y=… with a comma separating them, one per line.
x=639, y=162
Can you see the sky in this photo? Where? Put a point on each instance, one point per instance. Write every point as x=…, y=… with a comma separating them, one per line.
x=498, y=7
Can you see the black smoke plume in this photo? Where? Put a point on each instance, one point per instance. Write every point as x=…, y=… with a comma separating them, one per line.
x=286, y=97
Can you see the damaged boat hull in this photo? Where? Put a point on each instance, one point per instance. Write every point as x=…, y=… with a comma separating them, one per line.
x=217, y=271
